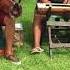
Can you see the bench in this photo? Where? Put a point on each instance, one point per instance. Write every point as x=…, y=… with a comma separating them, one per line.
x=53, y=27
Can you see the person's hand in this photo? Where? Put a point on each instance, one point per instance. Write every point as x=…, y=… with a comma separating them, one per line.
x=66, y=2
x=45, y=1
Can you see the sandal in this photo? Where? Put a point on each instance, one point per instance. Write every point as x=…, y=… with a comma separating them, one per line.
x=13, y=59
x=37, y=50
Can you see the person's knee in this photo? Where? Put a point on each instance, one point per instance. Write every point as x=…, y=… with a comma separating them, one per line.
x=8, y=21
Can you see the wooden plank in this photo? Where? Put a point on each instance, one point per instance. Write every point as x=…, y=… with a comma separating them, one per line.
x=59, y=45
x=57, y=23
x=53, y=8
x=52, y=5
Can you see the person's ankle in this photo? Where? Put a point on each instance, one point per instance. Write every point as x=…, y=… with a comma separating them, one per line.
x=36, y=46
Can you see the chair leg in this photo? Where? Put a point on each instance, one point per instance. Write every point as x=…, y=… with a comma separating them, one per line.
x=50, y=41
x=50, y=52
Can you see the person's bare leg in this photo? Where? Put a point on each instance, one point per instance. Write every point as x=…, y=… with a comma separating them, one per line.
x=9, y=32
x=37, y=30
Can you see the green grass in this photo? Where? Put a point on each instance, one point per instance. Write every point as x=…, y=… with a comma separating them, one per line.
x=61, y=57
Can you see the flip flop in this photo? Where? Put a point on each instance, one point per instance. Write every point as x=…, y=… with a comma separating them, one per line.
x=37, y=50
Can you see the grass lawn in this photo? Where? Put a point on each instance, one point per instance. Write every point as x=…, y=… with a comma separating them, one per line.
x=61, y=57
